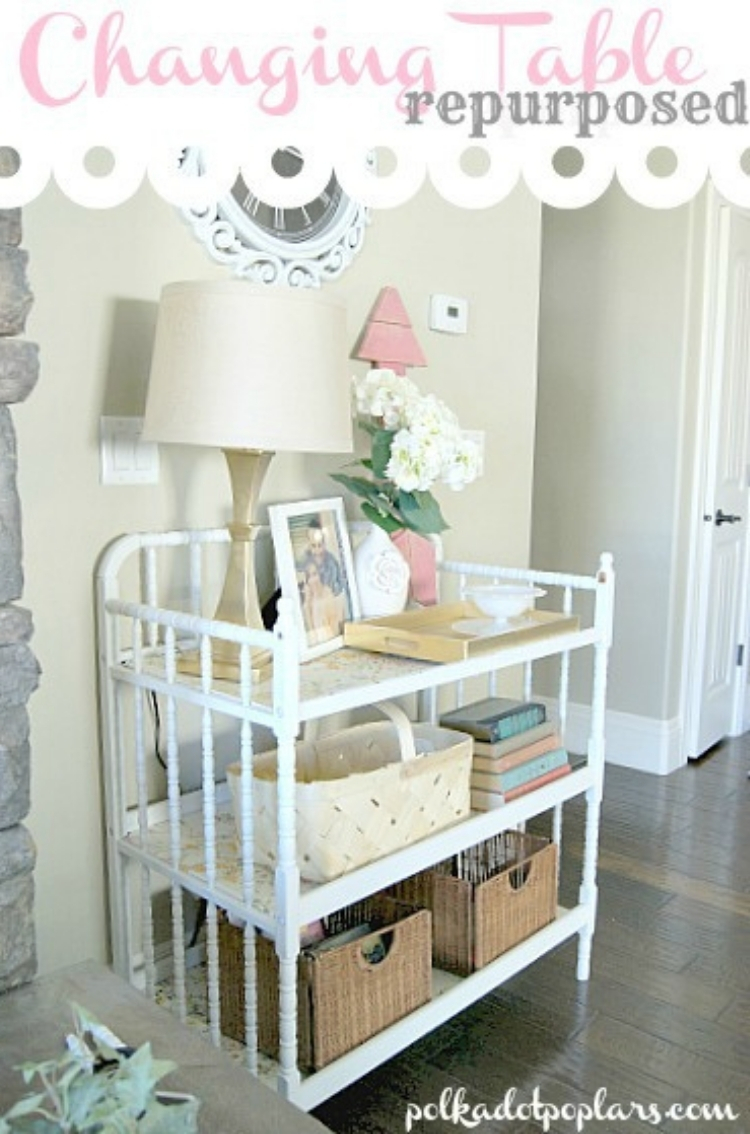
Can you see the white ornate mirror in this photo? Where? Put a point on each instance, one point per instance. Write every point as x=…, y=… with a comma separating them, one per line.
x=301, y=246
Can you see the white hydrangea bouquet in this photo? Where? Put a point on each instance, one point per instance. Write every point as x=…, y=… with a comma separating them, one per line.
x=416, y=442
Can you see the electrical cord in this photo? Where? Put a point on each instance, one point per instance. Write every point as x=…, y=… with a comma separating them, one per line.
x=153, y=702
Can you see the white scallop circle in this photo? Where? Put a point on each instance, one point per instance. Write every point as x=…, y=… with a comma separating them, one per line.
x=290, y=192
x=654, y=191
x=360, y=179
x=475, y=191
x=553, y=188
x=90, y=190
x=33, y=175
x=196, y=183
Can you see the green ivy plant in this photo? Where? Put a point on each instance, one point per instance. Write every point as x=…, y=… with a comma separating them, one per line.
x=115, y=1093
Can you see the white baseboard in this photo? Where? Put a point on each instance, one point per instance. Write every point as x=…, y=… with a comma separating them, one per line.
x=645, y=744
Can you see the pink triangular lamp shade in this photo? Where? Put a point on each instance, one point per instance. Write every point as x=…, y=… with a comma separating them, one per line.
x=387, y=338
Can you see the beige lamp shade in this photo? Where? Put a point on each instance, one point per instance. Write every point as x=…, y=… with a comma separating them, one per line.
x=238, y=366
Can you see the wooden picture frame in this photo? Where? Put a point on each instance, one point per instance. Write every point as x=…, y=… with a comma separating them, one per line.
x=316, y=570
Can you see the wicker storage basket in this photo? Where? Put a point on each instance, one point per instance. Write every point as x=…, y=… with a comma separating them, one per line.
x=342, y=997
x=486, y=899
x=362, y=793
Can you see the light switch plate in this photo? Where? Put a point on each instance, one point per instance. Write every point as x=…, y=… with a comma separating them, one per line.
x=124, y=458
x=449, y=313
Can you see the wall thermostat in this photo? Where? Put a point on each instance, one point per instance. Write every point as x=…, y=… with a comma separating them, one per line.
x=449, y=313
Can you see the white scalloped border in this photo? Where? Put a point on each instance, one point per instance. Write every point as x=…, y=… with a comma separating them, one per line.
x=543, y=167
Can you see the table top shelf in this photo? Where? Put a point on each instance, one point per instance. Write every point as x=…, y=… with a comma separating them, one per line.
x=347, y=679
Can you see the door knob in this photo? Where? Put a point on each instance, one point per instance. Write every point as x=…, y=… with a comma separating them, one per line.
x=726, y=518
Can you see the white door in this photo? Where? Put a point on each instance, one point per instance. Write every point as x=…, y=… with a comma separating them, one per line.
x=719, y=663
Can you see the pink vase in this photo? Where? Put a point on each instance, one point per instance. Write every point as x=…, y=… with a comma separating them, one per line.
x=419, y=553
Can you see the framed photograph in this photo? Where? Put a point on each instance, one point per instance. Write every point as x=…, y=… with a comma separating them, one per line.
x=315, y=569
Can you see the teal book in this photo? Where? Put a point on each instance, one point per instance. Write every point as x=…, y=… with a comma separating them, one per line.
x=495, y=718
x=521, y=774
x=515, y=745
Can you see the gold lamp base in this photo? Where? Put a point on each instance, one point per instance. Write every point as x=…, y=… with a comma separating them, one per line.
x=225, y=663
x=239, y=598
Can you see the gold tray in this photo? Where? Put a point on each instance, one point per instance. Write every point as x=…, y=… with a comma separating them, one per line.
x=451, y=631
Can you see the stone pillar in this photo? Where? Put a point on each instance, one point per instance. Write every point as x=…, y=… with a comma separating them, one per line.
x=19, y=671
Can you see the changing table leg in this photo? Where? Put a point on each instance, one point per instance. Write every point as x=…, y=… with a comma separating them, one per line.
x=589, y=890
x=287, y=916
x=287, y=949
x=596, y=753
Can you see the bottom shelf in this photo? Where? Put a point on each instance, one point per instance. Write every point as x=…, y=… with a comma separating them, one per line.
x=450, y=994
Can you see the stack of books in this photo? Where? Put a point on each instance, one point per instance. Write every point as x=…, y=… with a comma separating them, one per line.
x=516, y=749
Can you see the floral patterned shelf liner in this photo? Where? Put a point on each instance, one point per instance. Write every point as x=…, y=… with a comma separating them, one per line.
x=354, y=670
x=342, y=671
x=193, y=856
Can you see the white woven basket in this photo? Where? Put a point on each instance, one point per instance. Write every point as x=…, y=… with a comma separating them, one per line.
x=362, y=793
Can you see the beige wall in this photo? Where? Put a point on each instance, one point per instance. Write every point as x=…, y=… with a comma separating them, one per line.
x=97, y=276
x=612, y=454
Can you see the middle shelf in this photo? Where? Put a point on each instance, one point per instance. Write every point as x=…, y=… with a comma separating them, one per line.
x=156, y=847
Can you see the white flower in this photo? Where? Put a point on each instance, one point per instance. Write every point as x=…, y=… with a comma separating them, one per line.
x=415, y=461
x=385, y=395
x=430, y=417
x=462, y=466
x=423, y=444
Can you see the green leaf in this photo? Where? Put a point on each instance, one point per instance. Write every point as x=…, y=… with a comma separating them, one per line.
x=389, y=521
x=68, y=1075
x=359, y=485
x=140, y=1074
x=375, y=493
x=421, y=512
x=30, y=1124
x=382, y=440
x=88, y=1101
x=173, y=1118
x=30, y=1070
x=26, y=1106
x=426, y=501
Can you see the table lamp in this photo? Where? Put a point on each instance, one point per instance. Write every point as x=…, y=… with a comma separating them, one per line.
x=251, y=370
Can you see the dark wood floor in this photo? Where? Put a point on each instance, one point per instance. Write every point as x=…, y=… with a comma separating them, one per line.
x=665, y=1018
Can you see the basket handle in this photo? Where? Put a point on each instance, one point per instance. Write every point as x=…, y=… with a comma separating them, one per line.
x=403, y=727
